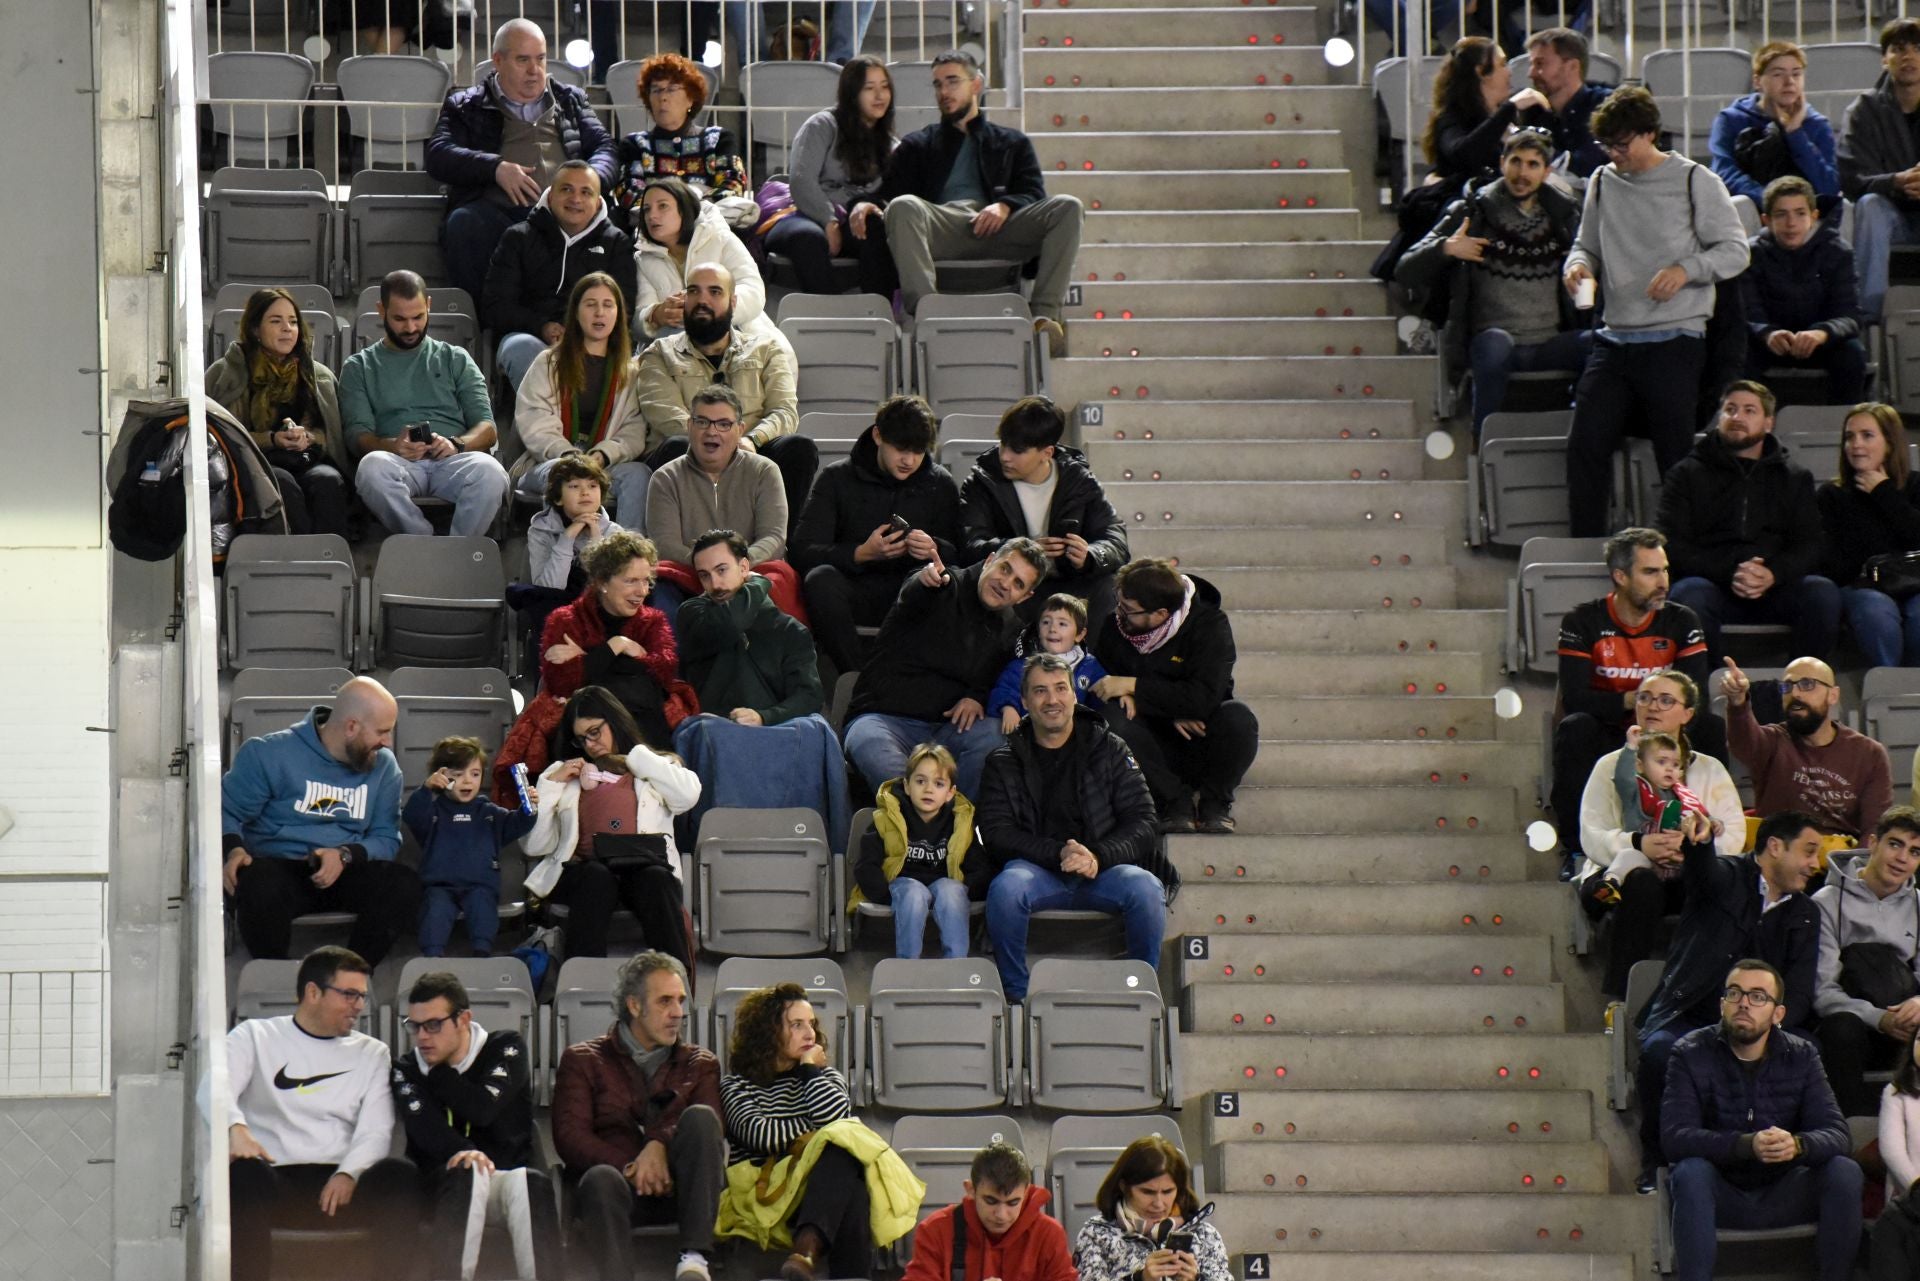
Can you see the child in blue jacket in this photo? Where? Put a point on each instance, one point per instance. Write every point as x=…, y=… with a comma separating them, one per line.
x=461, y=834
x=1061, y=629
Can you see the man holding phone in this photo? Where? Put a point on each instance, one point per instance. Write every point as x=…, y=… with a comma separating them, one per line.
x=1030, y=485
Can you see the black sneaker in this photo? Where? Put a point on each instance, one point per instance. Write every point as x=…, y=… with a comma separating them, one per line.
x=1570, y=861
x=1649, y=1181
x=1215, y=819
x=1175, y=816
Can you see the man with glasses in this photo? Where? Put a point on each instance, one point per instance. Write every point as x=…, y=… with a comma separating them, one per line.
x=1754, y=905
x=465, y=1099
x=1657, y=234
x=1879, y=159
x=1838, y=777
x=1754, y=1134
x=1868, y=990
x=310, y=1121
x=1607, y=648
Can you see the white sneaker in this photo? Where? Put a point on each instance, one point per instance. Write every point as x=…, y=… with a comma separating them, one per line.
x=692, y=1267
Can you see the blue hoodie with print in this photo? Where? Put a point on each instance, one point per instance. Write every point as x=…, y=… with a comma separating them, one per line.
x=286, y=796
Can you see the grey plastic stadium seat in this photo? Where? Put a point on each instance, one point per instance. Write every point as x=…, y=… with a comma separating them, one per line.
x=439, y=601
x=1554, y=577
x=1623, y=1044
x=266, y=699
x=439, y=702
x=958, y=455
x=1813, y=433
x=870, y=306
x=1098, y=1037
x=290, y=600
x=1691, y=86
x=939, y=1036
x=975, y=364
x=306, y=296
x=826, y=991
x=582, y=1008
x=847, y=364
x=1890, y=712
x=256, y=97
x=1080, y=1151
x=393, y=222
x=1522, y=477
x=940, y=1150
x=623, y=91
x=265, y=990
x=913, y=102
x=779, y=97
x=842, y=695
x=269, y=226
x=1390, y=90
x=499, y=987
x=455, y=328
x=765, y=883
x=396, y=134
x=1900, y=325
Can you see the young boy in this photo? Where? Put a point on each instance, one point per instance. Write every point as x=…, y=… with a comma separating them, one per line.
x=572, y=520
x=1650, y=779
x=920, y=855
x=461, y=833
x=1006, y=1233
x=1060, y=629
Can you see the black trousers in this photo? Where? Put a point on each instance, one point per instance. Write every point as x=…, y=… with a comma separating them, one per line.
x=838, y=603
x=1581, y=739
x=834, y=1204
x=797, y=457
x=316, y=500
x=590, y=890
x=385, y=1205
x=1651, y=386
x=804, y=241
x=1893, y=1249
x=270, y=892
x=1849, y=1049
x=452, y=1195
x=1177, y=768
x=606, y=1208
x=1645, y=900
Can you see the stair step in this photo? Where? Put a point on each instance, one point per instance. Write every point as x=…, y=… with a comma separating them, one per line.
x=1491, y=911
x=1435, y=719
x=1128, y=190
x=1375, y=419
x=1248, y=378
x=1116, y=339
x=1401, y=763
x=1387, y=674
x=1332, y=460
x=1361, y=631
x=1277, y=588
x=1538, y=1169
x=1393, y=810
x=1164, y=283
x=1347, y=857
x=1281, y=503
x=1200, y=549
x=1332, y=958
x=1218, y=227
x=1348, y=1008
x=1346, y=108
x=1194, y=149
x=1435, y=1061
x=1174, y=67
x=1189, y=258
x=1479, y=1225
x=1244, y=26
x=1503, y=1117
x=1478, y=1266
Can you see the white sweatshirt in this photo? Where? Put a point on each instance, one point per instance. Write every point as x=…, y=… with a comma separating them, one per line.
x=311, y=1100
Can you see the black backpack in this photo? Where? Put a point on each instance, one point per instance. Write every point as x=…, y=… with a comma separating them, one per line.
x=147, y=518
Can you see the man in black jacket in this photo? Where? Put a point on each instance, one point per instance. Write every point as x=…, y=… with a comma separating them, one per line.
x=1169, y=694
x=1798, y=291
x=1880, y=162
x=497, y=145
x=1032, y=485
x=537, y=263
x=1756, y=1138
x=1754, y=905
x=466, y=1104
x=1065, y=815
x=934, y=663
x=1743, y=531
x=851, y=544
x=967, y=188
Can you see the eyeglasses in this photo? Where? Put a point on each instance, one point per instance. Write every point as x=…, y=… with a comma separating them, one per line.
x=352, y=996
x=1646, y=698
x=431, y=1027
x=1805, y=685
x=1618, y=146
x=1755, y=997
x=724, y=424
x=1126, y=611
x=661, y=88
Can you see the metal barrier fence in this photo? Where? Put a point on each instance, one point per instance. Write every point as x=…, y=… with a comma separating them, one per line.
x=53, y=1031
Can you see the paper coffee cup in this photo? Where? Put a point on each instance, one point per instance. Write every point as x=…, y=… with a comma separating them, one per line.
x=1583, y=294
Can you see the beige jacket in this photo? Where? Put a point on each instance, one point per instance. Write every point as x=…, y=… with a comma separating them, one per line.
x=749, y=498
x=757, y=367
x=536, y=416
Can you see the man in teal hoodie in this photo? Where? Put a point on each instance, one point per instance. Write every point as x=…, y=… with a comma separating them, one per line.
x=310, y=818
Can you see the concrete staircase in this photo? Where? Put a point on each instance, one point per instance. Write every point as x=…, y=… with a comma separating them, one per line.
x=1395, y=1067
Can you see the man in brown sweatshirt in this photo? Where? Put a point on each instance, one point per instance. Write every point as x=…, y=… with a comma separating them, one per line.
x=1808, y=763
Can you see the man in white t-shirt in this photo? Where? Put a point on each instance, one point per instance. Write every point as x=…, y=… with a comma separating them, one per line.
x=311, y=1122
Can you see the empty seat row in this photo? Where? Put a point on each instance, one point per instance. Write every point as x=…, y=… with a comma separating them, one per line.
x=281, y=227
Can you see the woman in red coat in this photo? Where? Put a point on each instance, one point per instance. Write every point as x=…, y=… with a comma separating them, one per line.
x=610, y=637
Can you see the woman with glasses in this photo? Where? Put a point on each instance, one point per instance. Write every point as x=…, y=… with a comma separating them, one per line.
x=1871, y=514
x=1634, y=874
x=705, y=157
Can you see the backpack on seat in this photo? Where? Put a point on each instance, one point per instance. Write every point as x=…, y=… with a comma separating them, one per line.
x=148, y=516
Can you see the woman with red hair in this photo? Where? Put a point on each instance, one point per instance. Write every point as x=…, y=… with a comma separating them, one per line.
x=706, y=158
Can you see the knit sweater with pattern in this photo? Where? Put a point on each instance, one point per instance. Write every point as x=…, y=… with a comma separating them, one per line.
x=1518, y=288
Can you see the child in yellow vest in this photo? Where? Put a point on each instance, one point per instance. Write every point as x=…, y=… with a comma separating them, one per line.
x=919, y=856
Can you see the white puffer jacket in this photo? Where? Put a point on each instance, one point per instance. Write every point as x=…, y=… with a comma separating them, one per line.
x=713, y=241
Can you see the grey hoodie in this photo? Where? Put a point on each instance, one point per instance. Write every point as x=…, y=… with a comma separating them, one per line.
x=1636, y=225
x=1869, y=918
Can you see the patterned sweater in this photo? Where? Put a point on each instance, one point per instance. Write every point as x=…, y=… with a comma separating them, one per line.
x=1105, y=1251
x=764, y=1120
x=1518, y=286
x=706, y=159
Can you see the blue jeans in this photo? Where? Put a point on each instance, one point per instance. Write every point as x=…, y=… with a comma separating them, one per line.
x=1887, y=630
x=1495, y=357
x=475, y=483
x=1811, y=607
x=441, y=905
x=1023, y=888
x=878, y=745
x=628, y=503
x=1878, y=225
x=515, y=356
x=468, y=238
x=911, y=900
x=1826, y=1195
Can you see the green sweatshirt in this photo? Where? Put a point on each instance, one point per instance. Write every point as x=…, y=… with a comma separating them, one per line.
x=743, y=652
x=382, y=390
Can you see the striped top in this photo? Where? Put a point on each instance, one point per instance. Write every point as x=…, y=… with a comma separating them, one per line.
x=764, y=1120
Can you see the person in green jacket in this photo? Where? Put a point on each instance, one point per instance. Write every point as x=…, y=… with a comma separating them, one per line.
x=919, y=855
x=747, y=661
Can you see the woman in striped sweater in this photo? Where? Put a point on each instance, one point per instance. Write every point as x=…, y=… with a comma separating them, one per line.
x=780, y=1090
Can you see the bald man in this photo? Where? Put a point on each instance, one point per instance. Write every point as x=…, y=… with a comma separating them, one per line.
x=1809, y=762
x=311, y=823
x=759, y=367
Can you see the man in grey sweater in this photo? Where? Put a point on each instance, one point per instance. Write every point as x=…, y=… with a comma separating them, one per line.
x=1869, y=899
x=1658, y=233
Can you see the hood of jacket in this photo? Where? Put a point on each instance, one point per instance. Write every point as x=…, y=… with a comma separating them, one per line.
x=1712, y=450
x=865, y=460
x=1855, y=914
x=706, y=227
x=547, y=224
x=1015, y=1238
